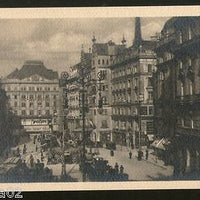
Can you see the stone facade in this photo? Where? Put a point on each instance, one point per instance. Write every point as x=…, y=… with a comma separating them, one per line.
x=132, y=91
x=177, y=86
x=33, y=93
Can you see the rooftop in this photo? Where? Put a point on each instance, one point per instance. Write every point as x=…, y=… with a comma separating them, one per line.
x=32, y=67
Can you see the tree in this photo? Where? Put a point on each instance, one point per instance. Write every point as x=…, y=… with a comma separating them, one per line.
x=8, y=122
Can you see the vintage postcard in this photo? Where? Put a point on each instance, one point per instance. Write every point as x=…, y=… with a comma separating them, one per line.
x=100, y=98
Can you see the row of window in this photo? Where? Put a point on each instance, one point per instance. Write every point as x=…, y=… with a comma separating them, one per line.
x=31, y=104
x=24, y=88
x=122, y=97
x=101, y=62
x=33, y=97
x=144, y=110
x=127, y=83
x=94, y=101
x=189, y=122
x=126, y=71
x=182, y=36
x=148, y=127
x=32, y=112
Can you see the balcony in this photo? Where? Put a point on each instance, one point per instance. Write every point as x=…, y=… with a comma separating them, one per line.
x=190, y=73
x=122, y=102
x=188, y=99
x=181, y=75
x=182, y=130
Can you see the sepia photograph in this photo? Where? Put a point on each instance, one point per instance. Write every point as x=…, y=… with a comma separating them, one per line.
x=100, y=99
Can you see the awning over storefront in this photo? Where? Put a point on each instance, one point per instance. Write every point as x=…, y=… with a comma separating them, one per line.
x=161, y=144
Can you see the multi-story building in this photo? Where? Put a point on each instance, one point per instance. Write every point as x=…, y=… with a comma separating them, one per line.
x=103, y=55
x=177, y=96
x=74, y=96
x=33, y=93
x=74, y=115
x=132, y=91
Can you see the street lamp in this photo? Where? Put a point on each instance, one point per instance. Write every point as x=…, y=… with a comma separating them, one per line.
x=85, y=80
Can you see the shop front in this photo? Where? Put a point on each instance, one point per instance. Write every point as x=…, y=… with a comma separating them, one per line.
x=163, y=150
x=119, y=137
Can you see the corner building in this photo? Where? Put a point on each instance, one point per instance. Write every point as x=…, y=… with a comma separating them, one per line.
x=103, y=55
x=177, y=86
x=33, y=93
x=132, y=91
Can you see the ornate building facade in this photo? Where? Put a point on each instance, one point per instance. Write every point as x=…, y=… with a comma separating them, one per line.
x=103, y=55
x=177, y=96
x=33, y=93
x=132, y=91
x=74, y=97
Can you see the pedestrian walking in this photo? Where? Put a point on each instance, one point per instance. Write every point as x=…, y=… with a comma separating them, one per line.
x=111, y=153
x=121, y=169
x=42, y=156
x=31, y=160
x=147, y=154
x=18, y=152
x=130, y=154
x=116, y=167
x=24, y=149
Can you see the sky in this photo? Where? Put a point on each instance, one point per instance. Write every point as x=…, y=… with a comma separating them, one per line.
x=57, y=42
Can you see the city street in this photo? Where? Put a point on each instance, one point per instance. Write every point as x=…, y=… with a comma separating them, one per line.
x=71, y=169
x=137, y=170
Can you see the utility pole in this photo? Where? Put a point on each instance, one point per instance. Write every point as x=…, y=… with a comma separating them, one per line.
x=83, y=119
x=64, y=77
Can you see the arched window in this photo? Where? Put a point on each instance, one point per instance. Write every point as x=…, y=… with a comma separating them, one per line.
x=180, y=38
x=189, y=62
x=182, y=89
x=189, y=34
x=190, y=87
x=103, y=62
x=99, y=62
x=180, y=65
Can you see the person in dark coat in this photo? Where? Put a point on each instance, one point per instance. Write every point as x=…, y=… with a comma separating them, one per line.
x=147, y=154
x=24, y=149
x=130, y=154
x=116, y=167
x=31, y=160
x=42, y=156
x=121, y=169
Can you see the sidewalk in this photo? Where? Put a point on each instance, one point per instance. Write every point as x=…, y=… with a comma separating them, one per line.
x=137, y=170
x=153, y=159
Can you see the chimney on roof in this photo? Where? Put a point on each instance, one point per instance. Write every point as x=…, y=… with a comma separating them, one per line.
x=138, y=37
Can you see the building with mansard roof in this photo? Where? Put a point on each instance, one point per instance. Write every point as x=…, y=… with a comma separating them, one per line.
x=33, y=93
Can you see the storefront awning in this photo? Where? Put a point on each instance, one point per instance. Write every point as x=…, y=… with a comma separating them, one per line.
x=161, y=144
